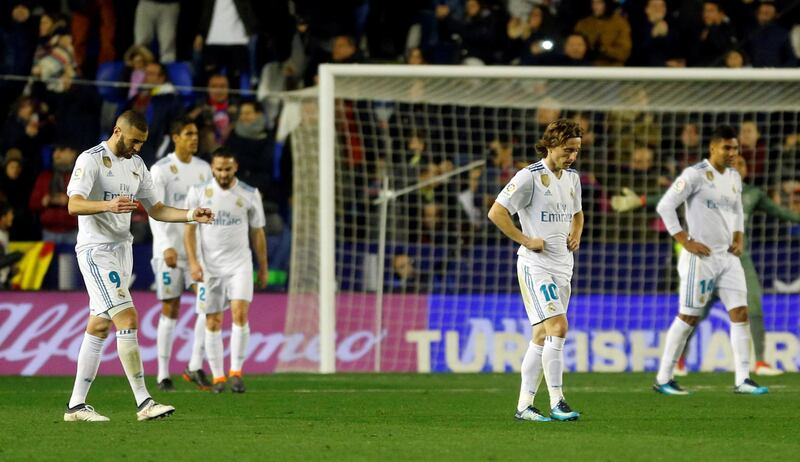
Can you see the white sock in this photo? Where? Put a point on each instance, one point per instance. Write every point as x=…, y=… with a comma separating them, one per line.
x=553, y=362
x=214, y=352
x=88, y=362
x=131, y=359
x=677, y=334
x=531, y=372
x=240, y=335
x=740, y=342
x=166, y=329
x=199, y=345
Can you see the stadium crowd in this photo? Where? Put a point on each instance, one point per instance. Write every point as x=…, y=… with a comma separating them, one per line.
x=242, y=50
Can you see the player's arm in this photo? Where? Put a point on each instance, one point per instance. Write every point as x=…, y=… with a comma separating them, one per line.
x=780, y=212
x=80, y=205
x=190, y=244
x=499, y=215
x=737, y=246
x=258, y=240
x=575, y=232
x=677, y=194
x=162, y=212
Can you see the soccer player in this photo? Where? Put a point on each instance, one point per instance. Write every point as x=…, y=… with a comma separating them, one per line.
x=107, y=184
x=712, y=191
x=753, y=199
x=173, y=175
x=547, y=198
x=220, y=259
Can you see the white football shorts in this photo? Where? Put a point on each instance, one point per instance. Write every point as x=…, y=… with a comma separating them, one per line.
x=215, y=293
x=545, y=295
x=170, y=282
x=106, y=270
x=701, y=276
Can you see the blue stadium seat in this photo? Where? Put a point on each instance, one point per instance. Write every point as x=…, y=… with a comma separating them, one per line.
x=110, y=72
x=180, y=74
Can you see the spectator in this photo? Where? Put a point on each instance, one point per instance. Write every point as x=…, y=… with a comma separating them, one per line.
x=223, y=35
x=769, y=43
x=49, y=199
x=252, y=147
x=736, y=59
x=160, y=104
x=534, y=39
x=157, y=18
x=86, y=16
x=654, y=42
x=608, y=34
x=415, y=56
x=214, y=115
x=6, y=259
x=480, y=32
x=18, y=32
x=688, y=149
x=406, y=278
x=343, y=51
x=572, y=54
x=15, y=187
x=54, y=58
x=27, y=131
x=136, y=59
x=714, y=39
x=754, y=150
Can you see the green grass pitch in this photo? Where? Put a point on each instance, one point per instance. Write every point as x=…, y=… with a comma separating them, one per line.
x=406, y=417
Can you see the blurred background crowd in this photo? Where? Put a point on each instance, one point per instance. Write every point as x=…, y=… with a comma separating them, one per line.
x=70, y=66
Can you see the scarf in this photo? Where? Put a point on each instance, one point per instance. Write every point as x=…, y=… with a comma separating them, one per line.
x=253, y=130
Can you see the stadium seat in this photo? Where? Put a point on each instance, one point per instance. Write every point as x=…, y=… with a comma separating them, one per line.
x=180, y=74
x=110, y=72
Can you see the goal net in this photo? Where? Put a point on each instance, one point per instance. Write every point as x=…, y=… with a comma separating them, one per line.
x=431, y=285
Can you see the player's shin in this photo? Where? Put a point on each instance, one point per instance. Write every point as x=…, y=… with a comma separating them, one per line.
x=199, y=345
x=88, y=363
x=531, y=372
x=214, y=352
x=131, y=359
x=240, y=336
x=677, y=335
x=165, y=334
x=553, y=362
x=740, y=343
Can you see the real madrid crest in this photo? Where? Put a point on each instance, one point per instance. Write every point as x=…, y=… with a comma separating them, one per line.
x=545, y=180
x=202, y=178
x=174, y=169
x=239, y=202
x=551, y=307
x=107, y=161
x=209, y=192
x=702, y=299
x=710, y=176
x=121, y=293
x=572, y=193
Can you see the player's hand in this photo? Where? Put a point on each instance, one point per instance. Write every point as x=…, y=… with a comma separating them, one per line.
x=573, y=243
x=629, y=200
x=736, y=248
x=534, y=243
x=196, y=271
x=122, y=204
x=171, y=257
x=697, y=248
x=263, y=276
x=202, y=215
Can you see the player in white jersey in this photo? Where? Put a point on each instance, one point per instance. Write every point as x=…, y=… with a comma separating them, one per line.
x=107, y=184
x=220, y=260
x=173, y=175
x=712, y=192
x=546, y=196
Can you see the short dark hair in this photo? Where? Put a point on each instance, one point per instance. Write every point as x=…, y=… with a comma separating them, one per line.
x=178, y=125
x=258, y=107
x=557, y=133
x=134, y=119
x=223, y=152
x=723, y=132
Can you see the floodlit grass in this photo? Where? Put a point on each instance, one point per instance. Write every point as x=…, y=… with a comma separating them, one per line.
x=406, y=417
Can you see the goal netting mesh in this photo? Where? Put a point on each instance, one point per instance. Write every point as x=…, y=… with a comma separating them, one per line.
x=450, y=298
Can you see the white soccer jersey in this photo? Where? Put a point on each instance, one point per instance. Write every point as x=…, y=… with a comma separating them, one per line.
x=713, y=205
x=224, y=245
x=100, y=175
x=172, y=179
x=545, y=205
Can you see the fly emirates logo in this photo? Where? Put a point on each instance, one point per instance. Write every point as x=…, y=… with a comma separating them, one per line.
x=560, y=215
